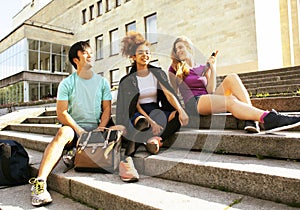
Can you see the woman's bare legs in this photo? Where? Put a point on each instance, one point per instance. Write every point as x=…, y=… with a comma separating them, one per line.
x=231, y=96
x=233, y=85
x=211, y=103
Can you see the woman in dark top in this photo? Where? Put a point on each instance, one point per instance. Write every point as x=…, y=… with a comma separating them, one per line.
x=146, y=104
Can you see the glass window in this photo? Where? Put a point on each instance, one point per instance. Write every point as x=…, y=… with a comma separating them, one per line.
x=100, y=8
x=151, y=28
x=45, y=46
x=56, y=49
x=34, y=91
x=131, y=26
x=66, y=66
x=33, y=44
x=33, y=60
x=99, y=47
x=55, y=63
x=84, y=16
x=118, y=3
x=114, y=42
x=114, y=77
x=91, y=12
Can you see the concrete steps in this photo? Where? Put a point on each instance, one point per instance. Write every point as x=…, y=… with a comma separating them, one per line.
x=274, y=180
x=107, y=191
x=277, y=82
x=283, y=145
x=281, y=104
x=267, y=75
x=216, y=167
x=42, y=120
x=275, y=90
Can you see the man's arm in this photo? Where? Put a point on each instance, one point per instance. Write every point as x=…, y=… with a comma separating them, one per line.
x=106, y=114
x=65, y=118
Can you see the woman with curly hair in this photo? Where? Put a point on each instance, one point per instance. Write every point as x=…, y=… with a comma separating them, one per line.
x=146, y=103
x=197, y=85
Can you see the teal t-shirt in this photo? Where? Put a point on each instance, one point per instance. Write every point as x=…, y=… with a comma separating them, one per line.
x=84, y=98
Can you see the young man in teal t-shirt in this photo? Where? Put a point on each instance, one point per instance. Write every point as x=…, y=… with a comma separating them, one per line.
x=83, y=104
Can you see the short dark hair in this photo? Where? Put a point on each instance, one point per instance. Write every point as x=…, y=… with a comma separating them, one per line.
x=78, y=46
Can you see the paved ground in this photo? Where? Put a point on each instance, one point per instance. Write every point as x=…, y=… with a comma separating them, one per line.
x=18, y=198
x=4, y=111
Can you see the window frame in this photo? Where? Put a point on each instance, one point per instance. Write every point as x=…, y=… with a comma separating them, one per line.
x=91, y=9
x=113, y=42
x=99, y=49
x=100, y=8
x=83, y=13
x=128, y=24
x=149, y=33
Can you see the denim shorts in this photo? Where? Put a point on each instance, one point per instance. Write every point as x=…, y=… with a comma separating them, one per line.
x=192, y=105
x=74, y=141
x=149, y=109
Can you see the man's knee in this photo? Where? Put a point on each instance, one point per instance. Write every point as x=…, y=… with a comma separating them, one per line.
x=65, y=134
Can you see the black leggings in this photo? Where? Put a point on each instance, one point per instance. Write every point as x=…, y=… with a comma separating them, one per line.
x=140, y=137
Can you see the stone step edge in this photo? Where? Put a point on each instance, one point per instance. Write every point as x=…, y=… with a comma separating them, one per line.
x=225, y=142
x=148, y=193
x=243, y=175
x=281, y=145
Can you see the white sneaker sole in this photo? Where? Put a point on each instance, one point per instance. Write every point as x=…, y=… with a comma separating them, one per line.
x=251, y=129
x=42, y=203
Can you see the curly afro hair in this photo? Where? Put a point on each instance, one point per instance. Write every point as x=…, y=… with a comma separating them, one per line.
x=131, y=42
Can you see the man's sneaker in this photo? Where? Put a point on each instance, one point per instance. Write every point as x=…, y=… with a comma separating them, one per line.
x=39, y=194
x=274, y=121
x=251, y=126
x=127, y=171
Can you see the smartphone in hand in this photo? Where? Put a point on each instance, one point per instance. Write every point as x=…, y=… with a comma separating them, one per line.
x=207, y=64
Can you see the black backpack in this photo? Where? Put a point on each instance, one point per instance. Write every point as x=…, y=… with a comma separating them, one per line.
x=14, y=163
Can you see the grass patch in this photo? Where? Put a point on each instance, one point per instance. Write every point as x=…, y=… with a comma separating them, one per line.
x=260, y=157
x=237, y=201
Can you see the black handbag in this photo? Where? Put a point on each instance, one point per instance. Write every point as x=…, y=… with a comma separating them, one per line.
x=98, y=151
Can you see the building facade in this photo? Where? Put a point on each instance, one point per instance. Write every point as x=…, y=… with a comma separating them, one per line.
x=251, y=35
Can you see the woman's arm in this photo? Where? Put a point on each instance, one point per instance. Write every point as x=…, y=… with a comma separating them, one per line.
x=211, y=76
x=183, y=117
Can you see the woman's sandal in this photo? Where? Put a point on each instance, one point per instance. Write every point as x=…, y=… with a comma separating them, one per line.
x=153, y=144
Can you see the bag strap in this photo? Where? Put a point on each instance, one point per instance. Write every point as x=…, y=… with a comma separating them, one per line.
x=86, y=141
x=108, y=134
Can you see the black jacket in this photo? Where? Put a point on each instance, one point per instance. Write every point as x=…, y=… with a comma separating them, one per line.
x=128, y=95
